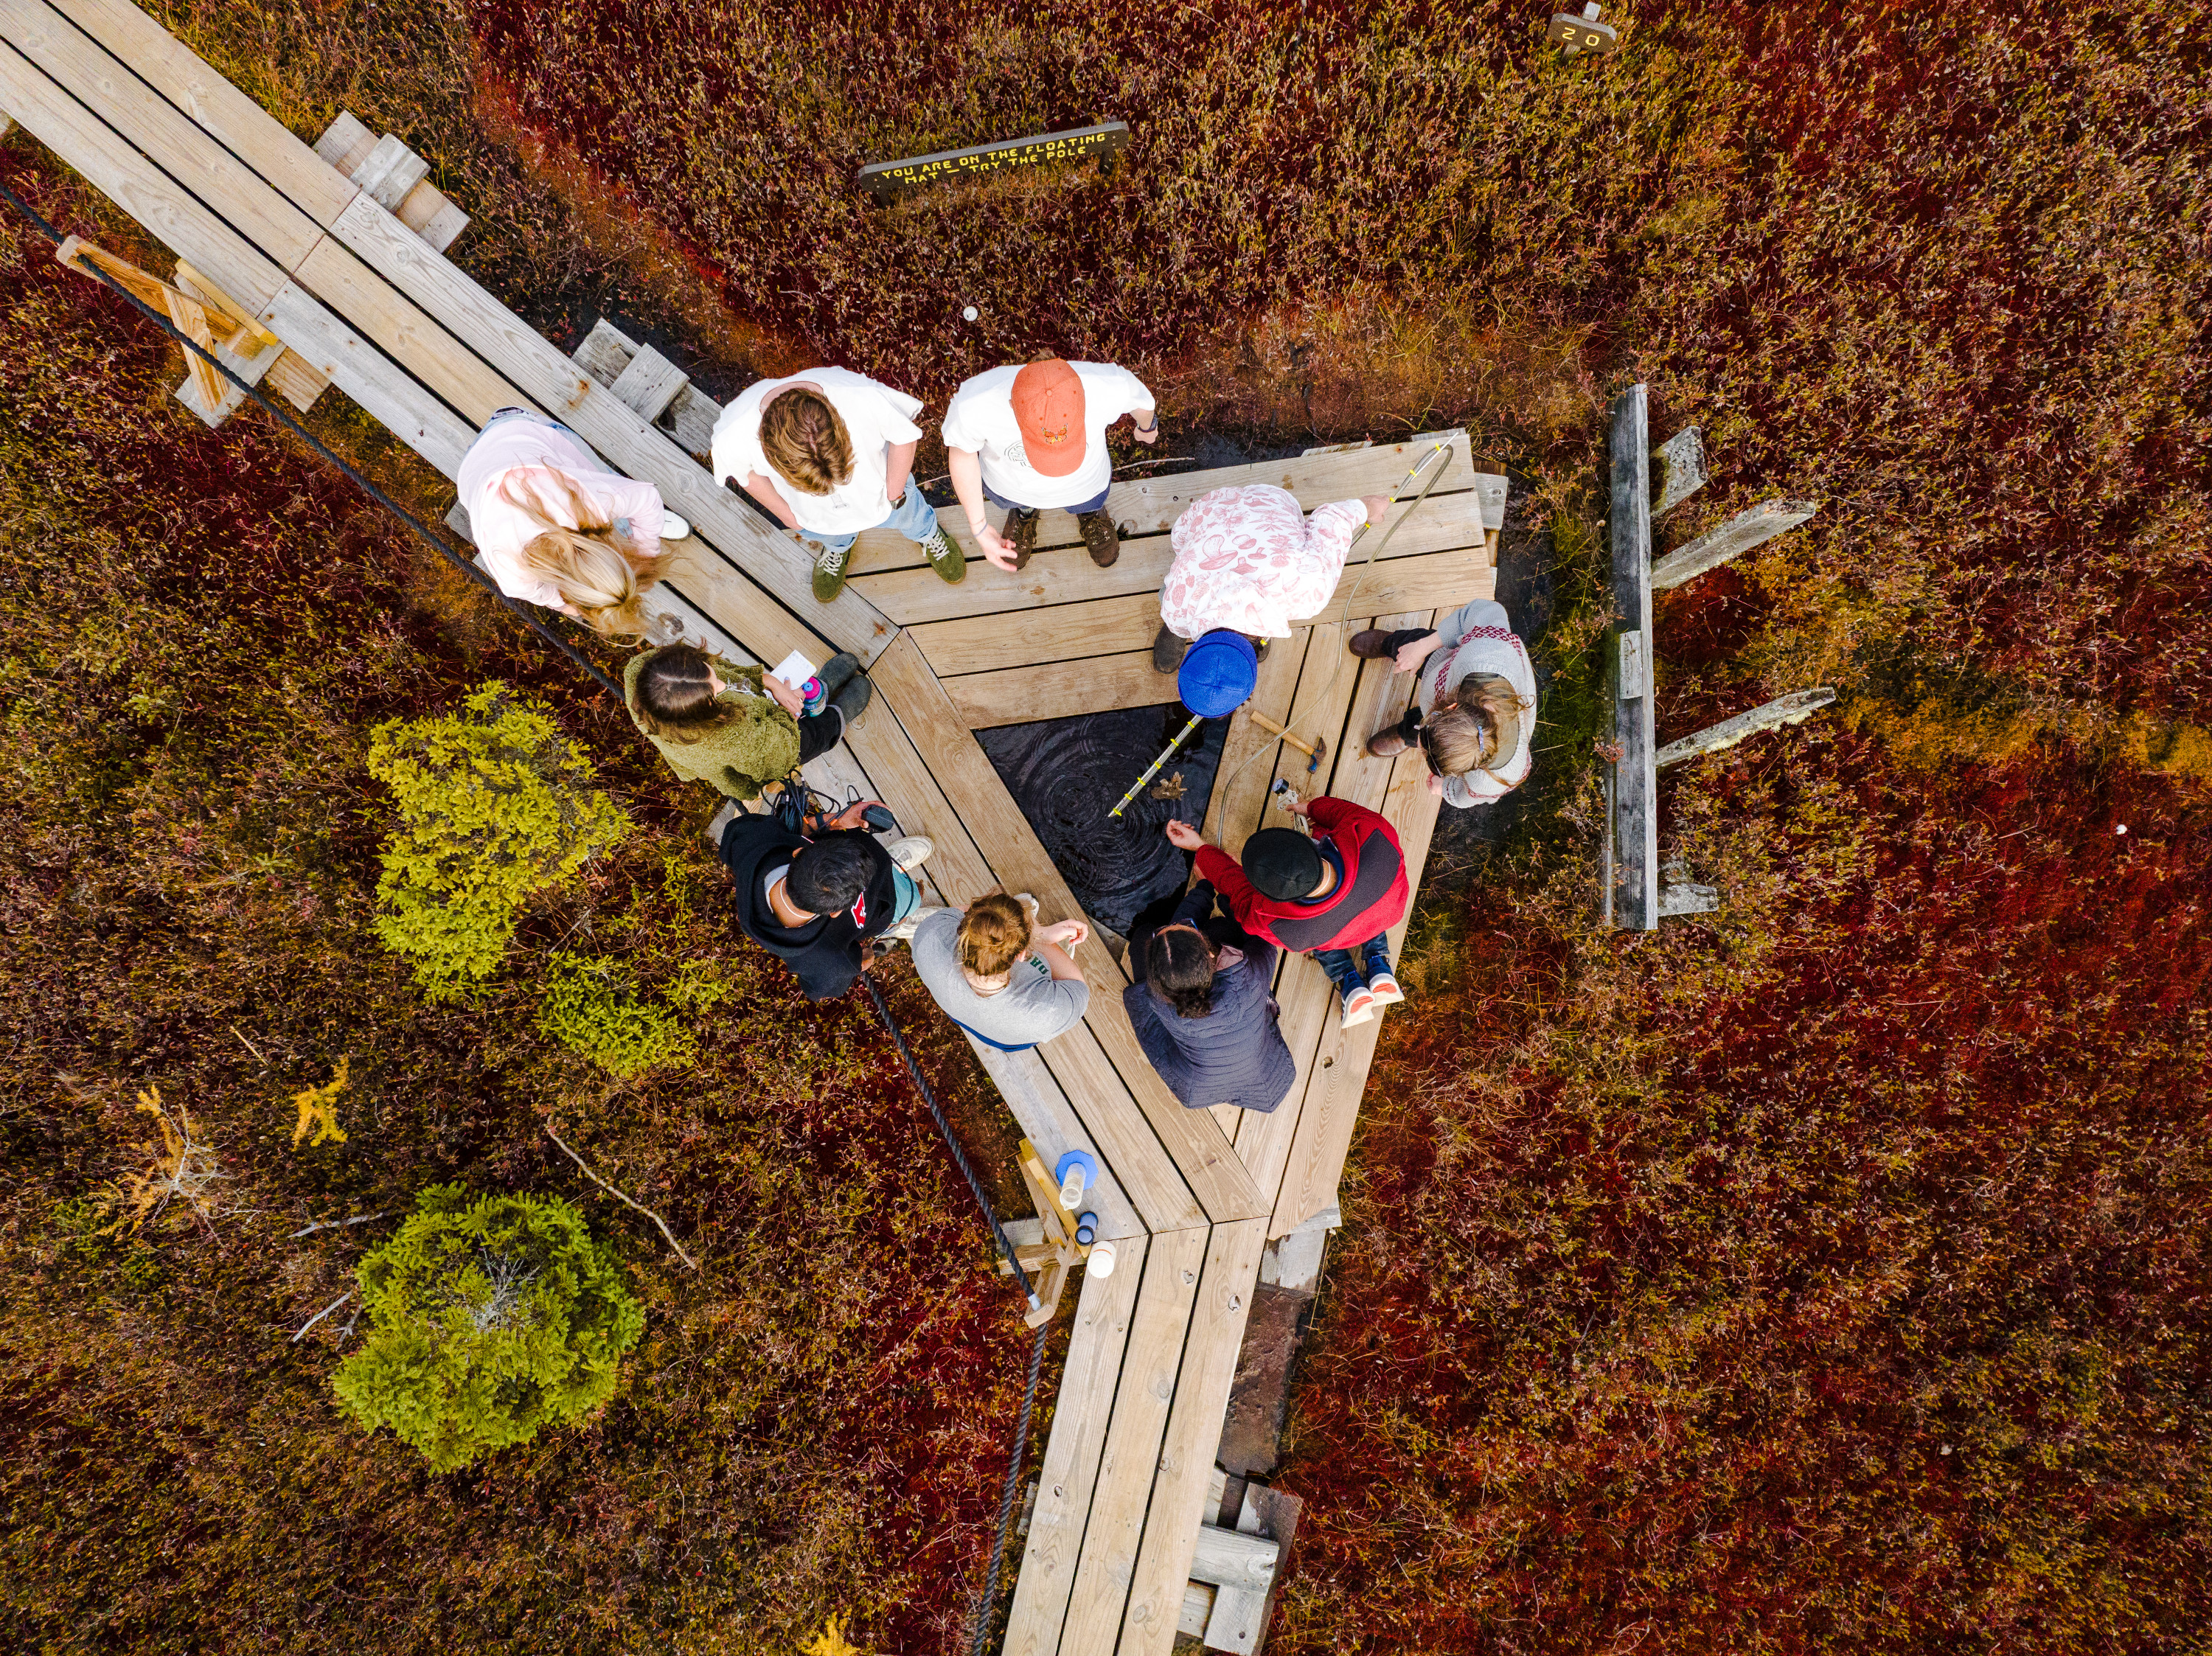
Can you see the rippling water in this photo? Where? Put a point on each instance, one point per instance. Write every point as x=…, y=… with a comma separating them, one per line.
x=1065, y=774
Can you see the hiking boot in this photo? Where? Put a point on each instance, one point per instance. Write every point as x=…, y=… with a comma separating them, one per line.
x=1020, y=532
x=837, y=672
x=852, y=701
x=1386, y=744
x=1167, y=652
x=945, y=556
x=1358, y=1007
x=911, y=851
x=1100, y=536
x=829, y=570
x=1372, y=644
x=721, y=820
x=1384, y=987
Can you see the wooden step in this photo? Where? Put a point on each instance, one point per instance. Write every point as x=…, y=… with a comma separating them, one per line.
x=394, y=177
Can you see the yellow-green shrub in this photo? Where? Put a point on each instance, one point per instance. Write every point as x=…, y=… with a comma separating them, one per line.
x=592, y=1007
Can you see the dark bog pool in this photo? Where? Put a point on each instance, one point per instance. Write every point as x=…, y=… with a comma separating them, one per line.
x=1065, y=774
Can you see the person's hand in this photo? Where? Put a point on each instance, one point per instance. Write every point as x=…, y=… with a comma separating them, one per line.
x=1299, y=807
x=998, y=550
x=1147, y=438
x=1411, y=655
x=1182, y=835
x=1376, y=506
x=854, y=815
x=783, y=695
x=1063, y=934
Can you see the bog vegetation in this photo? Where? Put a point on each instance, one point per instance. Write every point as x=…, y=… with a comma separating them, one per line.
x=1827, y=1274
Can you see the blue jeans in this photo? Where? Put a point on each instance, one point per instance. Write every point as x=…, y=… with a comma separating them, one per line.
x=1349, y=972
x=908, y=893
x=912, y=517
x=1096, y=503
x=527, y=413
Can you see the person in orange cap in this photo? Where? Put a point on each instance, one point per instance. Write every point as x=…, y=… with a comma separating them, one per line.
x=1032, y=436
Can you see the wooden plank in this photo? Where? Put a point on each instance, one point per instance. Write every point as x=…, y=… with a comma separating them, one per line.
x=1746, y=529
x=909, y=592
x=388, y=171
x=1120, y=624
x=1229, y=1558
x=1337, y=1075
x=326, y=346
x=1040, y=1105
x=1148, y=506
x=162, y=207
x=431, y=215
x=1101, y=1066
x=233, y=118
x=1082, y=1414
x=1371, y=697
x=649, y=383
x=1792, y=709
x=755, y=556
x=1105, y=627
x=1197, y=1599
x=345, y=143
x=1238, y=804
x=422, y=346
x=1635, y=872
x=1193, y=1433
x=1128, y=1464
x=227, y=185
x=1681, y=460
x=1059, y=689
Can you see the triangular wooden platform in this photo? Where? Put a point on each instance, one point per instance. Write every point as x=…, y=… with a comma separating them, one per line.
x=1193, y=1197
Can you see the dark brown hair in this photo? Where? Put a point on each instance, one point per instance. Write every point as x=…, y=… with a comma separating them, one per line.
x=1179, y=964
x=674, y=698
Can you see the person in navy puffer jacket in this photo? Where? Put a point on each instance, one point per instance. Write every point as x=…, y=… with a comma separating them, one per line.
x=1202, y=1012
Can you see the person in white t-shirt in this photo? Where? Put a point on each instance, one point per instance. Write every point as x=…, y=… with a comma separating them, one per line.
x=555, y=527
x=1475, y=710
x=1034, y=436
x=830, y=452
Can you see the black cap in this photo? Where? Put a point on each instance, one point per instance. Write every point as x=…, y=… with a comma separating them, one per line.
x=1282, y=864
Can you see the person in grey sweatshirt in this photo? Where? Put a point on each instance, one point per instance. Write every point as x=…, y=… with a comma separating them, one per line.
x=1202, y=1013
x=1474, y=707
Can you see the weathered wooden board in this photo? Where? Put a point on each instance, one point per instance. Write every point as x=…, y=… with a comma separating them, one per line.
x=1129, y=1465
x=387, y=394
x=1194, y=1432
x=1635, y=874
x=227, y=185
x=1067, y=1478
x=1105, y=627
x=178, y=74
x=1746, y=529
x=887, y=180
x=1059, y=689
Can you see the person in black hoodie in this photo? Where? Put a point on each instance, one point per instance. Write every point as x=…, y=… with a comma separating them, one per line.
x=815, y=901
x=1202, y=1013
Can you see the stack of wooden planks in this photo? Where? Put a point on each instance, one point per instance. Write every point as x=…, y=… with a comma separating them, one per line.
x=366, y=297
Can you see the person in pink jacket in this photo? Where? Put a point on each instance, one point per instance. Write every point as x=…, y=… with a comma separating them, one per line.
x=555, y=527
x=1248, y=559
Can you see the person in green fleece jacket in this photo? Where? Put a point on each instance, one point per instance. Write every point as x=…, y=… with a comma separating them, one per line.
x=736, y=729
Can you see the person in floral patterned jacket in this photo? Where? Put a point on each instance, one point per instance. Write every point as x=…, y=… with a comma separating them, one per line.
x=1248, y=559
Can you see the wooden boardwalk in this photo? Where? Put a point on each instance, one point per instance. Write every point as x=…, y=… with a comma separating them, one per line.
x=1193, y=1197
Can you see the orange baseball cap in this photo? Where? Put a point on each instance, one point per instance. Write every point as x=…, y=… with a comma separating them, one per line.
x=1049, y=409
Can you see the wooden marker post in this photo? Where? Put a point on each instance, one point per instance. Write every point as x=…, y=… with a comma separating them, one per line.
x=1050, y=1262
x=889, y=180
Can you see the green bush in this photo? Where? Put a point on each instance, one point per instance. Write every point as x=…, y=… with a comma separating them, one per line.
x=590, y=1006
x=490, y=1316
x=495, y=804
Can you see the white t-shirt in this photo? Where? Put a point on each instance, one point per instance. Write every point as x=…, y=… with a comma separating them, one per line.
x=980, y=419
x=529, y=459
x=875, y=418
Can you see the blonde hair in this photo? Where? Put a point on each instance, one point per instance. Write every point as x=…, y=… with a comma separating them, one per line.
x=601, y=574
x=994, y=934
x=1479, y=729
x=805, y=441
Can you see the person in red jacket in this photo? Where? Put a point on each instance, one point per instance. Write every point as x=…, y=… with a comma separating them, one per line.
x=1334, y=896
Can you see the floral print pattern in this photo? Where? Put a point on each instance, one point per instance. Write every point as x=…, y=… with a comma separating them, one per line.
x=1248, y=559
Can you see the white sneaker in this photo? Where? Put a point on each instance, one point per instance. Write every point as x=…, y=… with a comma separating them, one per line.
x=1028, y=900
x=729, y=813
x=911, y=853
x=673, y=528
x=903, y=931
x=1385, y=989
x=1358, y=1007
